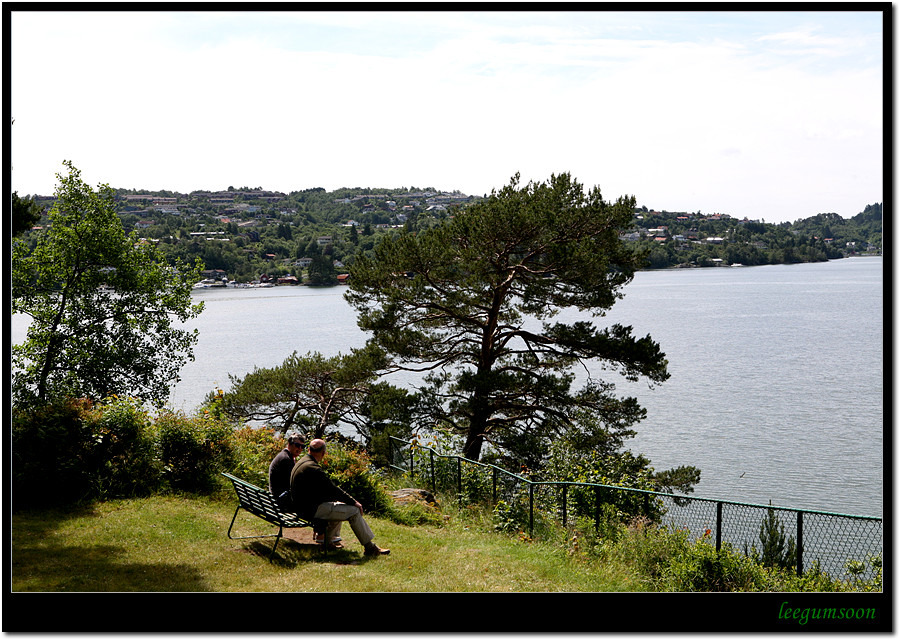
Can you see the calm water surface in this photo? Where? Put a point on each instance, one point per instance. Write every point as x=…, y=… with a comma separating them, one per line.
x=776, y=388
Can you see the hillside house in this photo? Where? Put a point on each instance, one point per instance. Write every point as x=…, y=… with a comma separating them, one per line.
x=214, y=274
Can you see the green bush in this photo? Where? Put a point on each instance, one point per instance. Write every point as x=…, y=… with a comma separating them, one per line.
x=670, y=561
x=621, y=469
x=194, y=450
x=416, y=514
x=352, y=471
x=701, y=568
x=254, y=449
x=125, y=456
x=857, y=569
x=74, y=450
x=52, y=454
x=777, y=550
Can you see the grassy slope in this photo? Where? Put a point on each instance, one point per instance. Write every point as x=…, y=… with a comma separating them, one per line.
x=177, y=544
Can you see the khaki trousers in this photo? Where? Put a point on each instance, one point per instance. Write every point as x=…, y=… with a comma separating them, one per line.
x=335, y=513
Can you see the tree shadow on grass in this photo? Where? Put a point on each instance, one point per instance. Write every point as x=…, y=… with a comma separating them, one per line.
x=78, y=569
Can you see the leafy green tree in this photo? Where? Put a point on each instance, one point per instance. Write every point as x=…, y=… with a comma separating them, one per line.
x=25, y=214
x=471, y=300
x=308, y=392
x=104, y=307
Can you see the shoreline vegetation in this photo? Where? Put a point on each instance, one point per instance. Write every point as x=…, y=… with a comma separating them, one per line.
x=225, y=284
x=251, y=236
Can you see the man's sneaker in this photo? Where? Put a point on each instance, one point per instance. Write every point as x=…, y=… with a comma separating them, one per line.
x=374, y=550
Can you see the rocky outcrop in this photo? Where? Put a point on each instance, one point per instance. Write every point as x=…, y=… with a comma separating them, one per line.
x=412, y=496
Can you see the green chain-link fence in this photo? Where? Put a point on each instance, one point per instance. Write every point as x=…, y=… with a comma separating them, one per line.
x=806, y=537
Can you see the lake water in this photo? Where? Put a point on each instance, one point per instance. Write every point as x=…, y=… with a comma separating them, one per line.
x=776, y=388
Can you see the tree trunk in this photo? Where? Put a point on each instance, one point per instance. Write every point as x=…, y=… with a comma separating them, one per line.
x=479, y=415
x=474, y=440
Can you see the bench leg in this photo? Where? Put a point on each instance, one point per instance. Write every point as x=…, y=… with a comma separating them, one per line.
x=233, y=518
x=277, y=536
x=277, y=539
x=269, y=535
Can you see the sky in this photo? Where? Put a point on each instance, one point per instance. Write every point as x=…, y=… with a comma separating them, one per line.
x=773, y=116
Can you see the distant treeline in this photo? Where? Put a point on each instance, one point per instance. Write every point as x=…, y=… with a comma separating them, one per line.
x=696, y=240
x=316, y=234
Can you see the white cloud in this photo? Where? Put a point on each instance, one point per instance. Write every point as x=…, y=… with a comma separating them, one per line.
x=765, y=123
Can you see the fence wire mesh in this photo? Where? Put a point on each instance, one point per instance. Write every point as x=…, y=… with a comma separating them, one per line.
x=838, y=544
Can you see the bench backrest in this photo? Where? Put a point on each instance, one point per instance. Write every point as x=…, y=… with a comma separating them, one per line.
x=258, y=501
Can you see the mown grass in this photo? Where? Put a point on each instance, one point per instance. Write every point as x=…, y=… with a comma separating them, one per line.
x=179, y=544
x=172, y=543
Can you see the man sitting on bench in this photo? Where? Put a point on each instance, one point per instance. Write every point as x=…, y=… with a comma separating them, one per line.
x=280, y=470
x=280, y=481
x=317, y=497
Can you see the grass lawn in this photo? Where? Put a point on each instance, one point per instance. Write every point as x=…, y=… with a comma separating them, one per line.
x=177, y=544
x=165, y=563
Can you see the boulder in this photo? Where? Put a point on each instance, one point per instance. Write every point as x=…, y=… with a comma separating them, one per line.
x=412, y=496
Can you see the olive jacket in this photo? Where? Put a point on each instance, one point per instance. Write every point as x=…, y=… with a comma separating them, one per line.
x=310, y=487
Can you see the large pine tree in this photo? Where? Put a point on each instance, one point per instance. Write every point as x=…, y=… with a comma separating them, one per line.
x=473, y=301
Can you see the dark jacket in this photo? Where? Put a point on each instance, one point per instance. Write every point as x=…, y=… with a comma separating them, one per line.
x=310, y=487
x=280, y=479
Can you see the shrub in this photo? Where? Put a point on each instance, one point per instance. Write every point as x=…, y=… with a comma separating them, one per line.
x=510, y=517
x=699, y=567
x=351, y=470
x=669, y=561
x=857, y=569
x=193, y=450
x=125, y=457
x=777, y=549
x=621, y=469
x=73, y=450
x=254, y=449
x=51, y=454
x=648, y=550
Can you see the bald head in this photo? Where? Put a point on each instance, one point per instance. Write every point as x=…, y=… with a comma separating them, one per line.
x=317, y=448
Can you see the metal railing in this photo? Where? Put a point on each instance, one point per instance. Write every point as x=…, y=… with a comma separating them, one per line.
x=829, y=539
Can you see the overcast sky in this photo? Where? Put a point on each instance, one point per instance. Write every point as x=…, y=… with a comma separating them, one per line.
x=769, y=115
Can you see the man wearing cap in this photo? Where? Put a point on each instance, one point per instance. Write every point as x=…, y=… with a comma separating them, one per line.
x=280, y=470
x=317, y=497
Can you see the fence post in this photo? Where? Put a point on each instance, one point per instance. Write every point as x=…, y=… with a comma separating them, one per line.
x=433, y=484
x=799, y=543
x=494, y=488
x=718, y=526
x=412, y=462
x=597, y=509
x=459, y=478
x=530, y=509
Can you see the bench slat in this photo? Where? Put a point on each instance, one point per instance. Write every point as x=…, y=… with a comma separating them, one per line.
x=262, y=504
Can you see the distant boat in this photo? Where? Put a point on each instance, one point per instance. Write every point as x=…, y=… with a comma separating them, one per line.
x=209, y=283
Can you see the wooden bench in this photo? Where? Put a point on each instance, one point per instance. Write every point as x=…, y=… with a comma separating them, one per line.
x=262, y=504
